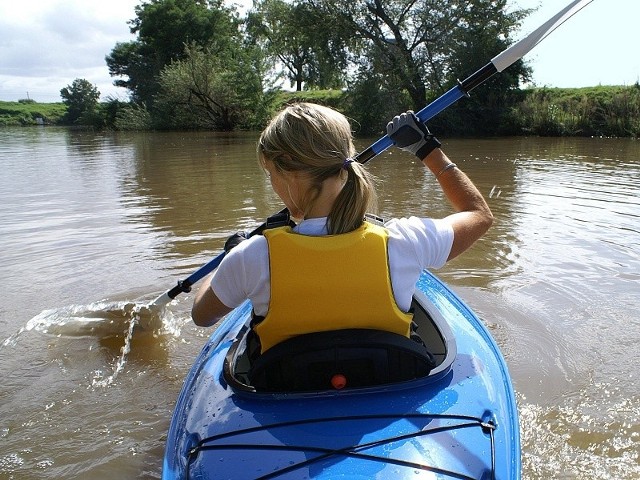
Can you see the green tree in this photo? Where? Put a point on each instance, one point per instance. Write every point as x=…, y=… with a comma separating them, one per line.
x=163, y=28
x=299, y=39
x=127, y=60
x=487, y=32
x=418, y=46
x=371, y=103
x=81, y=99
x=220, y=90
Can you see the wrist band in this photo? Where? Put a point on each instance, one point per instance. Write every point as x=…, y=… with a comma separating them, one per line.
x=431, y=143
x=449, y=166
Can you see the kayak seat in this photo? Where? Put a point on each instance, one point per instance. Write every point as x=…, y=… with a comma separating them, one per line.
x=350, y=358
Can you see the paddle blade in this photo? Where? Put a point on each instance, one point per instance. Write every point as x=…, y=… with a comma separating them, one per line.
x=524, y=46
x=160, y=302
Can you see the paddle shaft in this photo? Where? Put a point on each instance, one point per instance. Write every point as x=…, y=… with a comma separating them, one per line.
x=497, y=64
x=185, y=285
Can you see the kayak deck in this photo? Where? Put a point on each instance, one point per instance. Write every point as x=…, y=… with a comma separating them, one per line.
x=458, y=422
x=309, y=450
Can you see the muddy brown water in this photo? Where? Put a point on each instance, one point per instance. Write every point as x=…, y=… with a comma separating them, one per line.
x=95, y=225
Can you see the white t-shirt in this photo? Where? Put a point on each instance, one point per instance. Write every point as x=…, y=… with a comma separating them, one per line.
x=414, y=244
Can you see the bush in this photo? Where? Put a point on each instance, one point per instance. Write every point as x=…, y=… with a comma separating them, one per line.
x=132, y=117
x=594, y=111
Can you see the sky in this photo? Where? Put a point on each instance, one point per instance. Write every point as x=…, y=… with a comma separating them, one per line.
x=46, y=44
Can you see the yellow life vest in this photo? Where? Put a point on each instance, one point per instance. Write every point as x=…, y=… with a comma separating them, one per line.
x=334, y=282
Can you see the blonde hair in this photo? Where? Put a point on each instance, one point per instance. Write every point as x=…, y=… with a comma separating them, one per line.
x=316, y=141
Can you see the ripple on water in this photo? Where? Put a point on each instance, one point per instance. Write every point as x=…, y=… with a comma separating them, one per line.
x=591, y=434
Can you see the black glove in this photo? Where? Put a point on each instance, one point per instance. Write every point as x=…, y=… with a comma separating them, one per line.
x=411, y=135
x=234, y=240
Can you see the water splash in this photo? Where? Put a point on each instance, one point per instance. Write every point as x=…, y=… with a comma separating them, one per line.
x=142, y=322
x=103, y=320
x=99, y=319
x=121, y=361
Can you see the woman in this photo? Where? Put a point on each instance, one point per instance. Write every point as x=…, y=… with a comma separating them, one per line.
x=334, y=270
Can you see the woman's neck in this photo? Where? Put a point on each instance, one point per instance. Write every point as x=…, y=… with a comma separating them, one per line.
x=323, y=204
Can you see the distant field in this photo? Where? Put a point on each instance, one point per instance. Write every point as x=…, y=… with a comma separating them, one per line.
x=28, y=113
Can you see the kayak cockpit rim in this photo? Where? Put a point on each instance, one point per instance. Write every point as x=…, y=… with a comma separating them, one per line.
x=432, y=327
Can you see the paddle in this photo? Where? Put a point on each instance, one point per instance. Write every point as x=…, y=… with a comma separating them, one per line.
x=497, y=64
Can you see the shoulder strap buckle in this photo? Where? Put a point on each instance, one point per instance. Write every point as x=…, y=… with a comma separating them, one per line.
x=375, y=219
x=280, y=219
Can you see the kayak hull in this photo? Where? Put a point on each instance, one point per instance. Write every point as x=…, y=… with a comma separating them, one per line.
x=459, y=422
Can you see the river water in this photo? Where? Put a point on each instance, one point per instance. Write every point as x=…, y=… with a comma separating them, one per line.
x=95, y=225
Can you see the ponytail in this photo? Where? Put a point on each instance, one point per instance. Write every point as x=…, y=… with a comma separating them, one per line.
x=357, y=197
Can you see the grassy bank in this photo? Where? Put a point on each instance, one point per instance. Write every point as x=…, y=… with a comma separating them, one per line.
x=612, y=111
x=28, y=113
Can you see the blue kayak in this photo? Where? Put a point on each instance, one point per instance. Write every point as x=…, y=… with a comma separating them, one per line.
x=455, y=420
